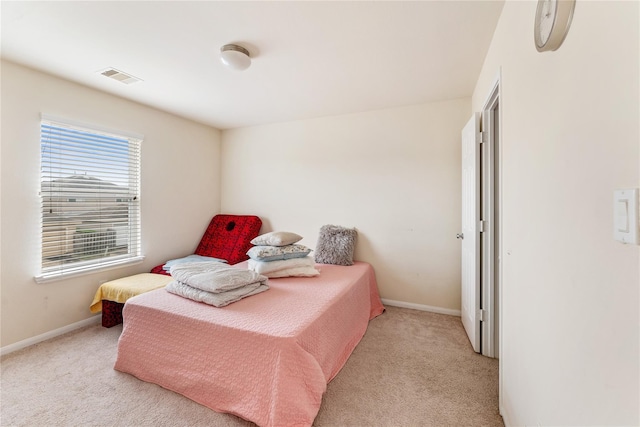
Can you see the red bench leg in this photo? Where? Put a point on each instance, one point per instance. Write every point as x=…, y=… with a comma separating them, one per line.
x=111, y=313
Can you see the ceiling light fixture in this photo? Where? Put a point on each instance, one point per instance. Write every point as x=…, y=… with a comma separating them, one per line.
x=234, y=56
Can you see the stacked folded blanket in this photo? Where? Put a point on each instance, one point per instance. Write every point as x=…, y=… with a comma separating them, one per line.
x=189, y=258
x=215, y=283
x=277, y=254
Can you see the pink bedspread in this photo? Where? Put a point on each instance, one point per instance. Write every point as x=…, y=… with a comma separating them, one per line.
x=267, y=358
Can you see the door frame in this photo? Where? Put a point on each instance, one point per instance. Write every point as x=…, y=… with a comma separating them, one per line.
x=481, y=308
x=491, y=214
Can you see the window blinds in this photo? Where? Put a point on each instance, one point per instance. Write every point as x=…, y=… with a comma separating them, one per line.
x=90, y=186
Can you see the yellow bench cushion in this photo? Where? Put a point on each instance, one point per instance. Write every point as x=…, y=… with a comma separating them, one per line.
x=120, y=290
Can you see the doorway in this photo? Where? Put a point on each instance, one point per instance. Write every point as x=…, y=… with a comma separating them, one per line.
x=481, y=208
x=490, y=235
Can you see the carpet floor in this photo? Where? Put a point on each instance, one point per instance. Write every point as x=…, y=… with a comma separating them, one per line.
x=412, y=368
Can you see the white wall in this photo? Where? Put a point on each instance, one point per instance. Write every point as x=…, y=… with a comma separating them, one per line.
x=180, y=193
x=394, y=174
x=570, y=123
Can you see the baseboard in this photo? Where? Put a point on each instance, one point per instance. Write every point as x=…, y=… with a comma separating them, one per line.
x=507, y=418
x=96, y=319
x=48, y=335
x=421, y=307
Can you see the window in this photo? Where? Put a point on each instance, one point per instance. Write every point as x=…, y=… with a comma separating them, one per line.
x=90, y=186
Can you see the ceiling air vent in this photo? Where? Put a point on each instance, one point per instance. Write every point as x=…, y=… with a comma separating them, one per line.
x=118, y=75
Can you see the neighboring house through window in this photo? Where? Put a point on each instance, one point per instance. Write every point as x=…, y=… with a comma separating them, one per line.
x=90, y=193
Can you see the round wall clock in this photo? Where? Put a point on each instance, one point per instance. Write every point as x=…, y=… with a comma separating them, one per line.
x=553, y=19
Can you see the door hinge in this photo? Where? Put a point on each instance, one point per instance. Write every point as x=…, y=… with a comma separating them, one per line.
x=481, y=225
x=482, y=137
x=482, y=315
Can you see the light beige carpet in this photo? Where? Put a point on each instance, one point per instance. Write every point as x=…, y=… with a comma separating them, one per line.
x=411, y=368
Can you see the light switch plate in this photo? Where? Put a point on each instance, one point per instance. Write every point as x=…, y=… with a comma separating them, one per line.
x=625, y=216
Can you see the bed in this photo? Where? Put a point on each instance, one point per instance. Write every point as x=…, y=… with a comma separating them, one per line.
x=267, y=358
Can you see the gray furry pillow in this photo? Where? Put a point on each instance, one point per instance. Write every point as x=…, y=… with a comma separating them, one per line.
x=336, y=245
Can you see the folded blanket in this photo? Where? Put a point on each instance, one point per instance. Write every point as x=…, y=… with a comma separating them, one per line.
x=189, y=258
x=120, y=290
x=216, y=299
x=215, y=277
x=307, y=271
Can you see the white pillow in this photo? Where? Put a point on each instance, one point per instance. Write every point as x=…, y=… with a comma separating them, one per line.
x=276, y=238
x=265, y=267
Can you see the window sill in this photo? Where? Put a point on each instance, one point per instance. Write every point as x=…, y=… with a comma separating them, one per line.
x=83, y=271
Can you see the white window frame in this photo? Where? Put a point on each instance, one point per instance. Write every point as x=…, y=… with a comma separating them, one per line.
x=67, y=242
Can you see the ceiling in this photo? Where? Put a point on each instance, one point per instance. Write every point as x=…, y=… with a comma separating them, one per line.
x=310, y=59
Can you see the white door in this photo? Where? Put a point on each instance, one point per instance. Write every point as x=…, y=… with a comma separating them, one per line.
x=469, y=236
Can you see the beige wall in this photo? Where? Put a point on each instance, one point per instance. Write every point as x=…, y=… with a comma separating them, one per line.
x=394, y=174
x=180, y=193
x=570, y=123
